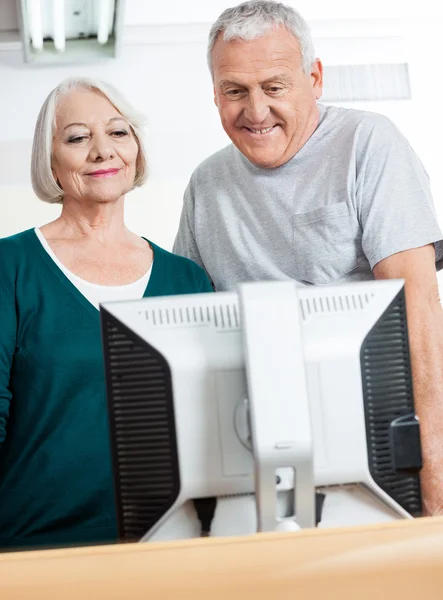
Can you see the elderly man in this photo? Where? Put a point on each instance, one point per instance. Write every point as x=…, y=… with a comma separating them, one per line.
x=314, y=193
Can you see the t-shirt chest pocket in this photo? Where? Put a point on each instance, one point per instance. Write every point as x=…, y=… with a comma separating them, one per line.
x=325, y=243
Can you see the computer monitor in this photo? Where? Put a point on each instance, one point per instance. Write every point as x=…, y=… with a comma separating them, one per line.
x=267, y=393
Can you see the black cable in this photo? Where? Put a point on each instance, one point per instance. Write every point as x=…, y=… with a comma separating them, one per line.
x=205, y=509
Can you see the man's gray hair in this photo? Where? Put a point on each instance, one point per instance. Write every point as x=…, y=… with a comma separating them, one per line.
x=43, y=181
x=253, y=19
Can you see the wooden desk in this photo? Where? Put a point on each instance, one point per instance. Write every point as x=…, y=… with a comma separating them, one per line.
x=402, y=560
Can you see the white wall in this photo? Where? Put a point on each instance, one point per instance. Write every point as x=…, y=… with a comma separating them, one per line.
x=200, y=11
x=163, y=72
x=153, y=211
x=168, y=83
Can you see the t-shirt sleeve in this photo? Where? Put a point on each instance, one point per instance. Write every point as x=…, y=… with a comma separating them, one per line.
x=394, y=200
x=185, y=243
x=8, y=329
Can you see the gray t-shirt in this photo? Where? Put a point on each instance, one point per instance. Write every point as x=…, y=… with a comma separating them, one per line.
x=353, y=195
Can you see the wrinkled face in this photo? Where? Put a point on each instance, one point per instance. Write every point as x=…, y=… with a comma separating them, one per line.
x=267, y=104
x=94, y=149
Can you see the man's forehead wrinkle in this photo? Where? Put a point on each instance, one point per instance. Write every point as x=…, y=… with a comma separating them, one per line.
x=256, y=65
x=268, y=57
x=263, y=79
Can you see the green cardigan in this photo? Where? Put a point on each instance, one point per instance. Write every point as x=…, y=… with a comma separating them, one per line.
x=56, y=484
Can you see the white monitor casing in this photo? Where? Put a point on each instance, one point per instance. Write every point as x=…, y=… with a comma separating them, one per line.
x=295, y=354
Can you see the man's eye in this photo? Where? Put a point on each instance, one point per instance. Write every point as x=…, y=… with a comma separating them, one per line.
x=275, y=89
x=233, y=92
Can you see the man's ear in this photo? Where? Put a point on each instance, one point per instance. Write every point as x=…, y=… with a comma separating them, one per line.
x=317, y=78
x=215, y=97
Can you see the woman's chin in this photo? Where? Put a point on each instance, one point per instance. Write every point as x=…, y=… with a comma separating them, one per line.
x=108, y=198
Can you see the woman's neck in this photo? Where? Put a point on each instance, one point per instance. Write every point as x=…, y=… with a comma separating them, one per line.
x=101, y=222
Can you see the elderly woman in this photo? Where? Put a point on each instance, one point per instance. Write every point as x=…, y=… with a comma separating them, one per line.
x=55, y=467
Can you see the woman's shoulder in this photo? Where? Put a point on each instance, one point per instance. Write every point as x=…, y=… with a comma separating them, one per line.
x=15, y=252
x=175, y=259
x=185, y=273
x=16, y=242
x=14, y=248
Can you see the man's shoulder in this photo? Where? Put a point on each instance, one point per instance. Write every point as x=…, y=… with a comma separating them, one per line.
x=362, y=122
x=215, y=162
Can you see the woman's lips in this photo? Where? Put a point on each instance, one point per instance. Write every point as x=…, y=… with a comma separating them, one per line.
x=104, y=173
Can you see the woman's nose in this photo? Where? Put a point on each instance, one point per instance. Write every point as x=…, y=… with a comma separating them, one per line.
x=101, y=148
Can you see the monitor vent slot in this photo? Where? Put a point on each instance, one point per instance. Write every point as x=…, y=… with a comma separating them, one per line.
x=222, y=316
x=142, y=427
x=388, y=394
x=337, y=303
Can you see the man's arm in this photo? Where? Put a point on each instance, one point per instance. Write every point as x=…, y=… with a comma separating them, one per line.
x=425, y=325
x=185, y=243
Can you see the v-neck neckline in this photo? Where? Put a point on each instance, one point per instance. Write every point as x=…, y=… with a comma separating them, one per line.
x=157, y=264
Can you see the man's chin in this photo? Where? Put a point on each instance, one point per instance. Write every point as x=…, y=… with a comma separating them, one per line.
x=266, y=155
x=264, y=160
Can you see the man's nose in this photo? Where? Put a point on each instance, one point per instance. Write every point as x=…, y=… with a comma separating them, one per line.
x=257, y=108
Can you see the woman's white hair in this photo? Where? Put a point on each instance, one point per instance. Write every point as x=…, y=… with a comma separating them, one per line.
x=43, y=181
x=253, y=19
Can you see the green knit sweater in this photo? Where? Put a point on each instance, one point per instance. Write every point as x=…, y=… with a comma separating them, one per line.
x=56, y=484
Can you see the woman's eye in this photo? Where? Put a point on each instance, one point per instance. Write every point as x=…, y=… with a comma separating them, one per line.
x=76, y=139
x=120, y=133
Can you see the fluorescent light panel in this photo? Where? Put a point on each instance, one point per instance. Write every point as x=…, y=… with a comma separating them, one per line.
x=106, y=11
x=34, y=15
x=58, y=25
x=73, y=26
